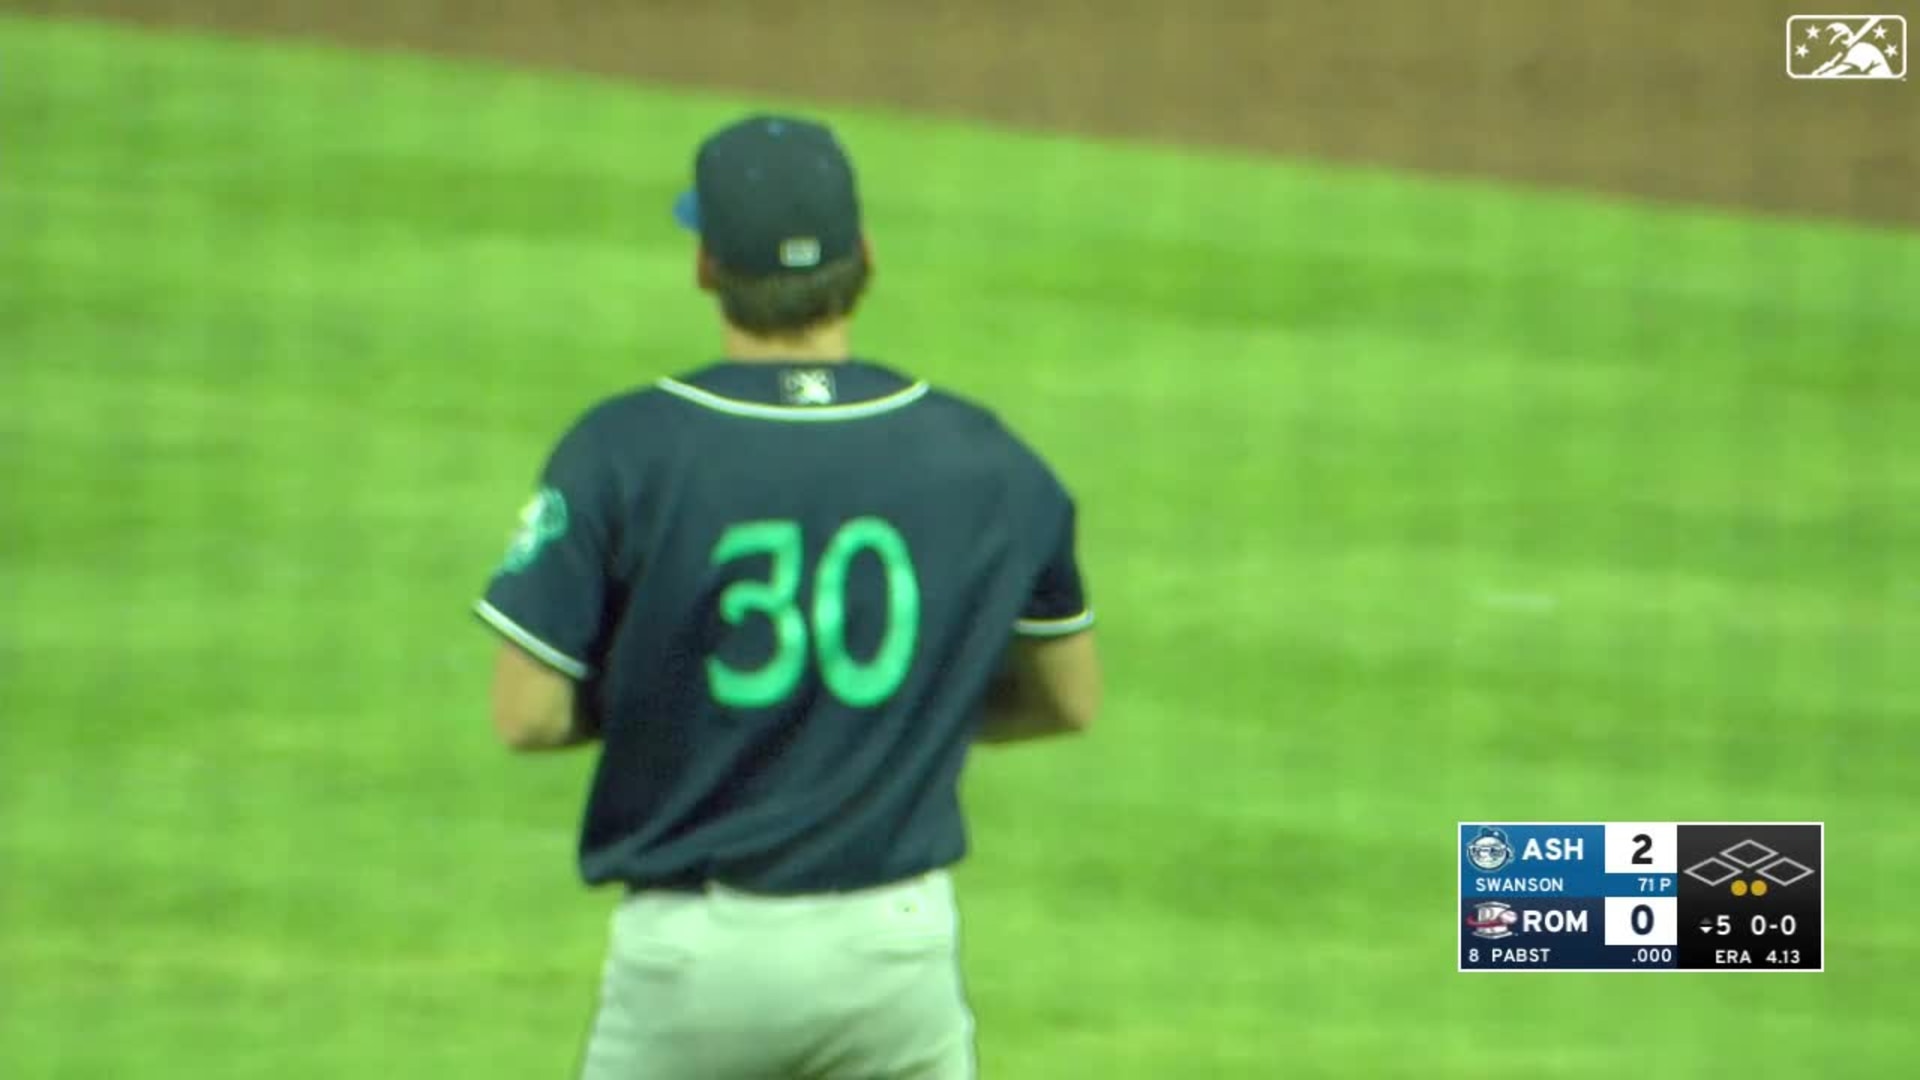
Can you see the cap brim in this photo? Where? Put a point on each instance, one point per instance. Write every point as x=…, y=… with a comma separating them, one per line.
x=686, y=210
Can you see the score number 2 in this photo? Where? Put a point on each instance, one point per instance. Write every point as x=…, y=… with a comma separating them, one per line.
x=1643, y=848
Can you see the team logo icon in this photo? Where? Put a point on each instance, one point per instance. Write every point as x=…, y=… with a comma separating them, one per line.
x=542, y=521
x=1490, y=850
x=1492, y=919
x=808, y=387
x=1847, y=47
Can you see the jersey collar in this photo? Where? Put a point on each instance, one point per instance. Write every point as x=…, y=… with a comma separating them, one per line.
x=797, y=392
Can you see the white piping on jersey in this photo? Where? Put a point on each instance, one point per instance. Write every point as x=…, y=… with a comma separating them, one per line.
x=855, y=410
x=1072, y=624
x=521, y=636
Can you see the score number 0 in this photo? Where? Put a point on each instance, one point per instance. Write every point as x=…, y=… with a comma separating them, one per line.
x=1648, y=851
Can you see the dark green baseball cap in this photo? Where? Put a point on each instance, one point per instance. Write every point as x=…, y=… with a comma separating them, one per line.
x=773, y=195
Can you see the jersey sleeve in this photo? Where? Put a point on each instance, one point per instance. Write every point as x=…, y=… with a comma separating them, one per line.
x=549, y=594
x=1058, y=604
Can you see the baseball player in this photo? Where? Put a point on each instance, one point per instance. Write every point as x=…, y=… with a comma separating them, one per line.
x=784, y=594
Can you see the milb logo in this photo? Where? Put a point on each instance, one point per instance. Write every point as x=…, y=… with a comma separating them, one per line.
x=1847, y=47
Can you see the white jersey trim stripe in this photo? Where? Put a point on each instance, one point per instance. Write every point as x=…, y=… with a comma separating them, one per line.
x=796, y=413
x=521, y=636
x=1073, y=624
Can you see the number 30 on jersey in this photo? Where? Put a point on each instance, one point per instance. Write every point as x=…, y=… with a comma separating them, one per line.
x=819, y=635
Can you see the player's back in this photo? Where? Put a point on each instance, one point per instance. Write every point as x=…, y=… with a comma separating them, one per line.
x=819, y=570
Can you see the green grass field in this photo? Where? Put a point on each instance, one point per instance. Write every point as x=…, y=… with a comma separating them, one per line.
x=1405, y=503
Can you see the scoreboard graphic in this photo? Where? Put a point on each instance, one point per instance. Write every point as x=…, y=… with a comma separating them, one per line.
x=1642, y=896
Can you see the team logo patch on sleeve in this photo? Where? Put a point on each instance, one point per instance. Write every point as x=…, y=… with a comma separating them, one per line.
x=542, y=521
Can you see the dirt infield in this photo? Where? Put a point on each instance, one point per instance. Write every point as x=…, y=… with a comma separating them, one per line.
x=1672, y=99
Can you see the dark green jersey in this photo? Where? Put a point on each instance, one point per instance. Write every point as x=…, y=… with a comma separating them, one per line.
x=783, y=591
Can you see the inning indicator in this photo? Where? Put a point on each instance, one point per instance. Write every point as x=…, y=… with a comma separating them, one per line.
x=1642, y=896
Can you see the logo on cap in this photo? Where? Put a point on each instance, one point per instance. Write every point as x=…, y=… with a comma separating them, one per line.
x=799, y=251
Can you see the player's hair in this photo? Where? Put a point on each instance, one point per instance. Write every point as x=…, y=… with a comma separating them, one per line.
x=787, y=303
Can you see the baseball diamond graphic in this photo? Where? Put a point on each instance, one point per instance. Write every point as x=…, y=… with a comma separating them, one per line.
x=1749, y=855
